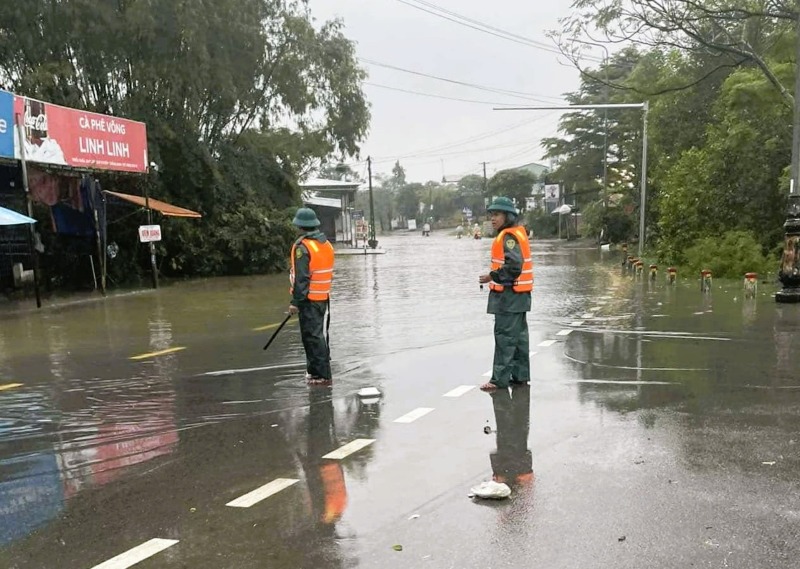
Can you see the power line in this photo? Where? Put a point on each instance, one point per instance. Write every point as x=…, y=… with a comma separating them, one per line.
x=462, y=20
x=428, y=151
x=517, y=94
x=433, y=95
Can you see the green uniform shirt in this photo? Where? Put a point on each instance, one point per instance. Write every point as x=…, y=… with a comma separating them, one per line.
x=509, y=301
x=302, y=267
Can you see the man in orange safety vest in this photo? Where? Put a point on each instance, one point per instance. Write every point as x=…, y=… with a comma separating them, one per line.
x=510, y=283
x=311, y=276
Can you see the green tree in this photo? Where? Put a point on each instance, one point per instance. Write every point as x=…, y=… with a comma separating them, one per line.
x=514, y=184
x=408, y=199
x=470, y=193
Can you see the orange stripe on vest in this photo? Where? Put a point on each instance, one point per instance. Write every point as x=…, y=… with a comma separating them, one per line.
x=524, y=282
x=321, y=258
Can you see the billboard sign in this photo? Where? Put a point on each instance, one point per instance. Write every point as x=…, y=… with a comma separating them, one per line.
x=6, y=124
x=69, y=137
x=552, y=192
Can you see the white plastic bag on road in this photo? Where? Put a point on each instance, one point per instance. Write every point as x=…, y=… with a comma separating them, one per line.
x=490, y=490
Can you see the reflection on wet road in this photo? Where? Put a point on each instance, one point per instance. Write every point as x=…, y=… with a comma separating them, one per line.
x=660, y=428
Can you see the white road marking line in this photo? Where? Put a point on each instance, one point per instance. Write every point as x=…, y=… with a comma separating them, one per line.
x=460, y=390
x=414, y=415
x=620, y=382
x=564, y=333
x=576, y=323
x=546, y=343
x=250, y=369
x=587, y=315
x=262, y=493
x=487, y=374
x=137, y=554
x=596, y=308
x=348, y=449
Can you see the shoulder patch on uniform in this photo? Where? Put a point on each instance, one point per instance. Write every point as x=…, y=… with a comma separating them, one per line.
x=298, y=253
x=511, y=243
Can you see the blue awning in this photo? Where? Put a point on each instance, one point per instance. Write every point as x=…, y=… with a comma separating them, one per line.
x=9, y=217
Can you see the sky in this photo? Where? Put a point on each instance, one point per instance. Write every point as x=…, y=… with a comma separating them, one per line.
x=433, y=137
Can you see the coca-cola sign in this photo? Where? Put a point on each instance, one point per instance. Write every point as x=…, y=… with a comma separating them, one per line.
x=38, y=122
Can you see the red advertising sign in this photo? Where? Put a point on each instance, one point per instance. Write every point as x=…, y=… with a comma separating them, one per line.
x=60, y=135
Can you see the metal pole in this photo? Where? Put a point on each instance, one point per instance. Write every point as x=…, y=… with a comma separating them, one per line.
x=643, y=204
x=373, y=243
x=32, y=231
x=153, y=266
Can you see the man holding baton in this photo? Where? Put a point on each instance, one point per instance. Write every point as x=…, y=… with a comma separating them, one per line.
x=510, y=283
x=311, y=275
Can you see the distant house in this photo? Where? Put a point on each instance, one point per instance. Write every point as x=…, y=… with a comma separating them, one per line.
x=538, y=170
x=536, y=201
x=333, y=200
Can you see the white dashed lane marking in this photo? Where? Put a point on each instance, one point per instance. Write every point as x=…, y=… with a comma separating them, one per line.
x=587, y=315
x=414, y=415
x=564, y=333
x=459, y=391
x=348, y=449
x=546, y=343
x=576, y=323
x=137, y=554
x=262, y=493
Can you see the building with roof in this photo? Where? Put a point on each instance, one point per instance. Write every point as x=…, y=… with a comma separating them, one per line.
x=333, y=202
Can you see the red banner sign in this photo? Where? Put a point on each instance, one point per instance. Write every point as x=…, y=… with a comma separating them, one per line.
x=60, y=135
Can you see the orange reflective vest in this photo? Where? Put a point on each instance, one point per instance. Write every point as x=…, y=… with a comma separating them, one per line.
x=335, y=492
x=321, y=267
x=524, y=282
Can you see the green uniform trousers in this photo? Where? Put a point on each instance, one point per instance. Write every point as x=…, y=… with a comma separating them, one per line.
x=512, y=362
x=312, y=331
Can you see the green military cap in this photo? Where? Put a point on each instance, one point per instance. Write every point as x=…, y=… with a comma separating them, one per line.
x=305, y=217
x=502, y=204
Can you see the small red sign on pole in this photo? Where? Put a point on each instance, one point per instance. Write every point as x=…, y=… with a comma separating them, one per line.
x=149, y=233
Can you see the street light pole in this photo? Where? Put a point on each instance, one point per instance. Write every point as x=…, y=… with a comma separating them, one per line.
x=373, y=243
x=645, y=107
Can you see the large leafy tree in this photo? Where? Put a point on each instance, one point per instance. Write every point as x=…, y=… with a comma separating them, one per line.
x=241, y=97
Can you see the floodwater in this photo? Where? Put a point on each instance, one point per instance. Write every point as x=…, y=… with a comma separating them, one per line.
x=660, y=429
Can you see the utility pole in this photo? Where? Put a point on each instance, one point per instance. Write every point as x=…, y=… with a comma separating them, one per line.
x=485, y=187
x=373, y=243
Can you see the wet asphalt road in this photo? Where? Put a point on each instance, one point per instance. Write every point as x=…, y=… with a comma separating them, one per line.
x=661, y=427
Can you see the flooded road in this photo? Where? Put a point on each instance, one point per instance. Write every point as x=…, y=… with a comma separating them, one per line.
x=660, y=429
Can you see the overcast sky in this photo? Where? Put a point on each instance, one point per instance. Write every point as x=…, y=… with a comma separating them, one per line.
x=431, y=135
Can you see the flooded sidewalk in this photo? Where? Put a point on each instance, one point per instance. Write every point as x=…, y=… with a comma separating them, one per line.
x=660, y=428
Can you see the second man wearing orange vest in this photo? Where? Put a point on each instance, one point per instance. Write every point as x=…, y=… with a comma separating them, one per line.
x=510, y=283
x=311, y=276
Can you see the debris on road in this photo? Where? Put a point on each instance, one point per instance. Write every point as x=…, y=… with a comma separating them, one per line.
x=623, y=538
x=769, y=463
x=414, y=517
x=397, y=547
x=490, y=490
